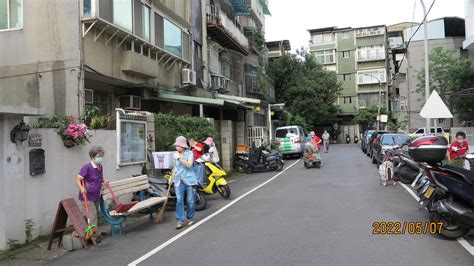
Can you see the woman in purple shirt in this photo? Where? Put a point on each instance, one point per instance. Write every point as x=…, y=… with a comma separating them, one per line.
x=92, y=174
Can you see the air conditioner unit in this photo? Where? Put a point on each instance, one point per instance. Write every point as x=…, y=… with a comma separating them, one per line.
x=188, y=76
x=130, y=102
x=218, y=82
x=88, y=96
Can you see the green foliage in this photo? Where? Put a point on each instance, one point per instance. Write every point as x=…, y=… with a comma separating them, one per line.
x=450, y=73
x=290, y=119
x=13, y=244
x=99, y=122
x=168, y=127
x=29, y=226
x=263, y=80
x=394, y=126
x=368, y=115
x=308, y=90
x=56, y=121
x=259, y=38
x=89, y=113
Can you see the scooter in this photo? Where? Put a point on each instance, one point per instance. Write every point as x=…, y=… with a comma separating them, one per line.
x=348, y=139
x=159, y=186
x=262, y=160
x=215, y=181
x=356, y=139
x=405, y=168
x=469, y=162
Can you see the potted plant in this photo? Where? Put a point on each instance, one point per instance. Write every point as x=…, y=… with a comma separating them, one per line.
x=73, y=133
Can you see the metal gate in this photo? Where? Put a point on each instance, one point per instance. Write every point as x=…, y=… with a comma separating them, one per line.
x=257, y=135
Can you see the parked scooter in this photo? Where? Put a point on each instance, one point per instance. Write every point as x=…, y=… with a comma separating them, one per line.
x=405, y=168
x=446, y=191
x=214, y=180
x=262, y=160
x=159, y=186
x=356, y=139
x=469, y=162
x=348, y=138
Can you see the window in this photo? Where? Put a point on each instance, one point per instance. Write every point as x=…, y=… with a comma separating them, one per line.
x=123, y=14
x=371, y=76
x=323, y=38
x=172, y=38
x=370, y=31
x=346, y=54
x=146, y=22
x=347, y=77
x=345, y=35
x=325, y=57
x=87, y=8
x=11, y=14
x=441, y=120
x=373, y=52
x=347, y=100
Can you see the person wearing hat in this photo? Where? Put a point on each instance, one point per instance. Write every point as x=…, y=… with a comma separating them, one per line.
x=185, y=181
x=212, y=154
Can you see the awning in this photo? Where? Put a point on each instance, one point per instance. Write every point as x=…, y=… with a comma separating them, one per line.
x=266, y=11
x=240, y=8
x=239, y=99
x=435, y=108
x=190, y=99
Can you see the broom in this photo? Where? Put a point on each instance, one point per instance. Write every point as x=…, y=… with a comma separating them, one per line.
x=91, y=228
x=159, y=216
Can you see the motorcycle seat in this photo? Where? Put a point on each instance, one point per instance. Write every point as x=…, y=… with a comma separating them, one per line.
x=467, y=175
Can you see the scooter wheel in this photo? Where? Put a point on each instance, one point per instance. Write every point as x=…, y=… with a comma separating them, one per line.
x=249, y=170
x=224, y=191
x=306, y=165
x=241, y=169
x=279, y=166
x=448, y=230
x=201, y=201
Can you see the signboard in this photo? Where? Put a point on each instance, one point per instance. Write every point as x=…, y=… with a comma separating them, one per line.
x=132, y=141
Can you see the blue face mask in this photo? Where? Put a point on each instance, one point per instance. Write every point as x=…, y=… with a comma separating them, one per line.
x=99, y=160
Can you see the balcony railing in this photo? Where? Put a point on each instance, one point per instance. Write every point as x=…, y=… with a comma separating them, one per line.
x=257, y=10
x=216, y=17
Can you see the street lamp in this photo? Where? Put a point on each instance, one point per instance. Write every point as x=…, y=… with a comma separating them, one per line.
x=380, y=98
x=270, y=118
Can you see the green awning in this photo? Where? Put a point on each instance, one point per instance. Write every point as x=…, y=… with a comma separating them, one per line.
x=240, y=8
x=266, y=11
x=190, y=99
x=238, y=99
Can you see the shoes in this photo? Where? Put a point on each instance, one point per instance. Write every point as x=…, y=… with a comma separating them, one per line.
x=179, y=225
x=189, y=223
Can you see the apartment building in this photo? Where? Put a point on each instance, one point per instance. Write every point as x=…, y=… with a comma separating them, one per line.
x=359, y=56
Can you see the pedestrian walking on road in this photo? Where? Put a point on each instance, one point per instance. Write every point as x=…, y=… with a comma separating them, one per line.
x=326, y=138
x=185, y=182
x=90, y=180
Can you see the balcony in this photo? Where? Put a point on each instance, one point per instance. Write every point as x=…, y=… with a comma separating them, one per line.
x=224, y=31
x=258, y=9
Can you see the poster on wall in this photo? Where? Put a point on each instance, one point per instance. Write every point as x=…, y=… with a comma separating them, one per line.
x=132, y=139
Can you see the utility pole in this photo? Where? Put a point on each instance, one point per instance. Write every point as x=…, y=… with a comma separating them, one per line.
x=427, y=65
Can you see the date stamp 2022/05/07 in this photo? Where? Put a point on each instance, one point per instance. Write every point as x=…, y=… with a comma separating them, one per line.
x=402, y=228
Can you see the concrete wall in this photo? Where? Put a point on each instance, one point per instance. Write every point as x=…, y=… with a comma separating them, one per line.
x=47, y=43
x=226, y=144
x=36, y=197
x=415, y=59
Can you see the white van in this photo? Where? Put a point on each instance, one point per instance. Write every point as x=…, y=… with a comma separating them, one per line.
x=291, y=140
x=421, y=132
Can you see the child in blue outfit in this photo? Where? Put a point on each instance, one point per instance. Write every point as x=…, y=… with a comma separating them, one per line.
x=185, y=181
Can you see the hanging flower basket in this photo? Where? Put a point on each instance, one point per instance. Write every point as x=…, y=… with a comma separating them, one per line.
x=68, y=143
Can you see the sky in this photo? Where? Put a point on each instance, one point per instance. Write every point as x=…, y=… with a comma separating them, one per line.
x=290, y=20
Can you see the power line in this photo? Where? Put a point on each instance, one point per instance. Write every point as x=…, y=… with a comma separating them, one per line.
x=39, y=72
x=419, y=26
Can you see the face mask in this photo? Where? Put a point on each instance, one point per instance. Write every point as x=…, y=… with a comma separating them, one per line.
x=99, y=160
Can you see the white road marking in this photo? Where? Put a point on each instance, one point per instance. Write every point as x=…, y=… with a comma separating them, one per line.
x=178, y=236
x=461, y=240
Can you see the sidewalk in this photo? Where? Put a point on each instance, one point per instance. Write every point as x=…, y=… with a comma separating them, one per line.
x=37, y=253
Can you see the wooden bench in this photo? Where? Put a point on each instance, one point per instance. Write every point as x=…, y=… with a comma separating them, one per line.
x=123, y=187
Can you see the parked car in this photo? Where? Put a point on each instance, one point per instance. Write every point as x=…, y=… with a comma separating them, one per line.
x=386, y=142
x=421, y=132
x=291, y=140
x=372, y=140
x=365, y=140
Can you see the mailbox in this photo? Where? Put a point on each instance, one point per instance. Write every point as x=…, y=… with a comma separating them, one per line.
x=37, y=162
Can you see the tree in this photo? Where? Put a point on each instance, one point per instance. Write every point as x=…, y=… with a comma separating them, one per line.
x=368, y=115
x=449, y=73
x=306, y=87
